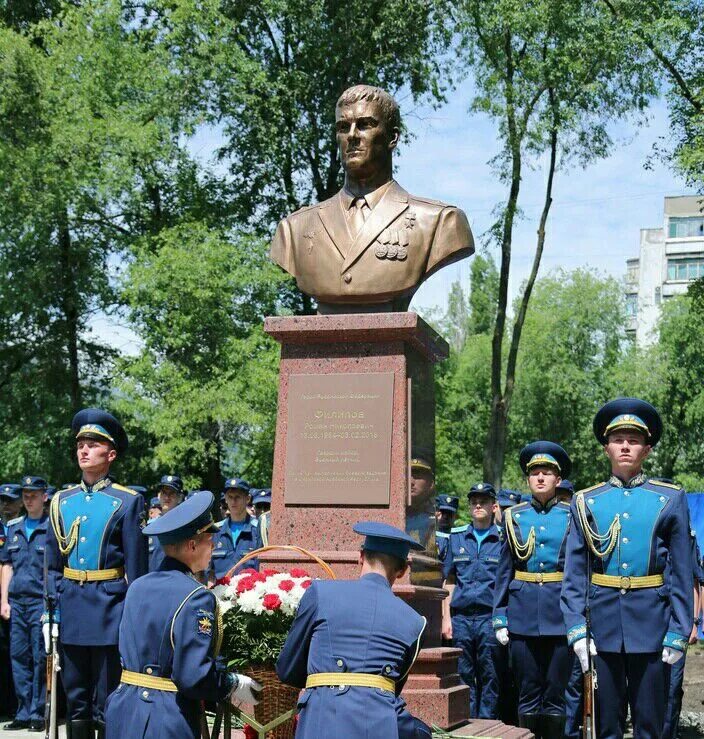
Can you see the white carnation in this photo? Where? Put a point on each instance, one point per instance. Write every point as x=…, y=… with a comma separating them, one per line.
x=251, y=602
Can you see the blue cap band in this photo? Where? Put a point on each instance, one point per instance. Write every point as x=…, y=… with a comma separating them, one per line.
x=385, y=545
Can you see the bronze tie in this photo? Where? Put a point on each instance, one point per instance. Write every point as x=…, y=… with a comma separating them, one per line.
x=360, y=213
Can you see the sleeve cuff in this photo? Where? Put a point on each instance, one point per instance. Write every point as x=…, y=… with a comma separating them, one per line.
x=57, y=617
x=576, y=633
x=675, y=641
x=499, y=622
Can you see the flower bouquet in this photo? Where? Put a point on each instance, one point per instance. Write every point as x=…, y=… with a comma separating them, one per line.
x=258, y=609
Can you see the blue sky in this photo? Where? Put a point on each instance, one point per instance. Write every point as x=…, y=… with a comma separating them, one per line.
x=597, y=212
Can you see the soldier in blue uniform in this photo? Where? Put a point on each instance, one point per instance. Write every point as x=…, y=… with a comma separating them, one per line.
x=624, y=533
x=261, y=500
x=171, y=494
x=420, y=514
x=352, y=645
x=154, y=508
x=9, y=499
x=674, y=697
x=446, y=507
x=237, y=534
x=94, y=550
x=527, y=598
x=22, y=561
x=505, y=499
x=469, y=568
x=170, y=637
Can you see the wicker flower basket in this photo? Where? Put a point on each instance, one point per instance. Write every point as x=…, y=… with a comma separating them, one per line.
x=277, y=698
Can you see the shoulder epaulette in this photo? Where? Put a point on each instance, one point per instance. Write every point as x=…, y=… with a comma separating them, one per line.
x=19, y=519
x=305, y=208
x=459, y=529
x=593, y=487
x=68, y=490
x=254, y=521
x=219, y=524
x=671, y=485
x=429, y=201
x=442, y=534
x=124, y=489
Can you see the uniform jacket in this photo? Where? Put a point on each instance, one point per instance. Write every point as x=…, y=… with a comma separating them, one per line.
x=441, y=540
x=109, y=535
x=474, y=569
x=532, y=608
x=352, y=626
x=654, y=528
x=156, y=553
x=404, y=239
x=169, y=629
x=226, y=554
x=26, y=557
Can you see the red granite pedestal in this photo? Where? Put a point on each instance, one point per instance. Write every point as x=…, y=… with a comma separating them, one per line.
x=388, y=357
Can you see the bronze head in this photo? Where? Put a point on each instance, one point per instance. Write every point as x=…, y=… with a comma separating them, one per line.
x=368, y=126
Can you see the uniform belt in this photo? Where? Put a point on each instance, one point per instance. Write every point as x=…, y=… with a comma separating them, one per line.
x=627, y=583
x=114, y=573
x=539, y=576
x=356, y=679
x=148, y=681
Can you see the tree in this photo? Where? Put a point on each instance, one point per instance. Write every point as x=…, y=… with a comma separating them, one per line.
x=553, y=74
x=484, y=279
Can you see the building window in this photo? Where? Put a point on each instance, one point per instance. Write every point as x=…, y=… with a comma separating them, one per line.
x=682, y=228
x=657, y=296
x=631, y=305
x=685, y=269
x=632, y=273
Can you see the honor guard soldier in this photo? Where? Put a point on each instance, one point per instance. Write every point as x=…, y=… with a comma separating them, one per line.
x=420, y=515
x=505, y=499
x=94, y=550
x=674, y=698
x=171, y=494
x=624, y=533
x=470, y=568
x=445, y=514
x=22, y=561
x=352, y=645
x=262, y=508
x=154, y=508
x=527, y=599
x=170, y=636
x=9, y=501
x=237, y=534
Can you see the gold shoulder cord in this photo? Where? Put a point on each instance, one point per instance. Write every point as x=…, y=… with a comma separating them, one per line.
x=601, y=545
x=66, y=543
x=264, y=530
x=219, y=627
x=522, y=551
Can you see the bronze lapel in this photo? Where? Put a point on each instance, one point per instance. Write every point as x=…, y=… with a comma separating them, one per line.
x=393, y=202
x=335, y=223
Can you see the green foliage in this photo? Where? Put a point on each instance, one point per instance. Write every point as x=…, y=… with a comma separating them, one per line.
x=253, y=640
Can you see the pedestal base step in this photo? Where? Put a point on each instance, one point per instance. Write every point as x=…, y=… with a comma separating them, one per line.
x=491, y=728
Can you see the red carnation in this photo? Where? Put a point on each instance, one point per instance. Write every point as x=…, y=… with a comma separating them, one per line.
x=271, y=602
x=249, y=732
x=248, y=571
x=223, y=581
x=269, y=573
x=245, y=584
x=258, y=577
x=286, y=585
x=298, y=572
x=306, y=584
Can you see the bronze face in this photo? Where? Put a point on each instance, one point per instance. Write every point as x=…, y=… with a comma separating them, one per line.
x=365, y=139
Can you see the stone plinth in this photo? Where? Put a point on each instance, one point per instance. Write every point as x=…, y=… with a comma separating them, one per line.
x=337, y=461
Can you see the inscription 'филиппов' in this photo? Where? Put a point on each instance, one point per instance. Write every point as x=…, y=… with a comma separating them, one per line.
x=339, y=438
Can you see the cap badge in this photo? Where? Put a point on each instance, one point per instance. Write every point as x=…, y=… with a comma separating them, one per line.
x=27, y=480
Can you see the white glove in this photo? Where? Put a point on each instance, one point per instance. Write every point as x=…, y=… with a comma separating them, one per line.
x=47, y=638
x=502, y=636
x=670, y=656
x=580, y=649
x=247, y=690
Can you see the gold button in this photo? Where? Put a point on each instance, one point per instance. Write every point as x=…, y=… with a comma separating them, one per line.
x=149, y=670
x=348, y=278
x=340, y=663
x=145, y=694
x=388, y=669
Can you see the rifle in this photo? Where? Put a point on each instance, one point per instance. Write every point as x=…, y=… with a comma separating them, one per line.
x=590, y=680
x=52, y=667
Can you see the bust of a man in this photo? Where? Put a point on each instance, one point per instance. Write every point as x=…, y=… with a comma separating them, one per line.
x=370, y=246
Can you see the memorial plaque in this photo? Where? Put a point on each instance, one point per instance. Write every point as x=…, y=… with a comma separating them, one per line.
x=338, y=440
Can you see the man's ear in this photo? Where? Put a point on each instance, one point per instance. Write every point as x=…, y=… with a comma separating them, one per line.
x=394, y=138
x=401, y=573
x=647, y=451
x=112, y=455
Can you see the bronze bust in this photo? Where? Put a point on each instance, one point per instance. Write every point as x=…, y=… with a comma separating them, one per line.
x=370, y=246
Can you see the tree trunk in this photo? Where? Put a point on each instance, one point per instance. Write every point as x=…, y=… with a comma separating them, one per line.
x=69, y=307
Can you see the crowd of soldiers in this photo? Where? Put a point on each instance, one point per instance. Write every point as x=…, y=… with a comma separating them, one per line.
x=543, y=589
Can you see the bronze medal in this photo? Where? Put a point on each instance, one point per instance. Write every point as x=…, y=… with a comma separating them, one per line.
x=380, y=251
x=402, y=253
x=392, y=251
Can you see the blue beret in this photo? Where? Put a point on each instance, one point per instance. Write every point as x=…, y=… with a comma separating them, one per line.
x=155, y=502
x=185, y=521
x=262, y=496
x=172, y=481
x=545, y=453
x=236, y=483
x=32, y=482
x=10, y=491
x=482, y=488
x=628, y=413
x=93, y=423
x=507, y=498
x=447, y=503
x=566, y=485
x=386, y=539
